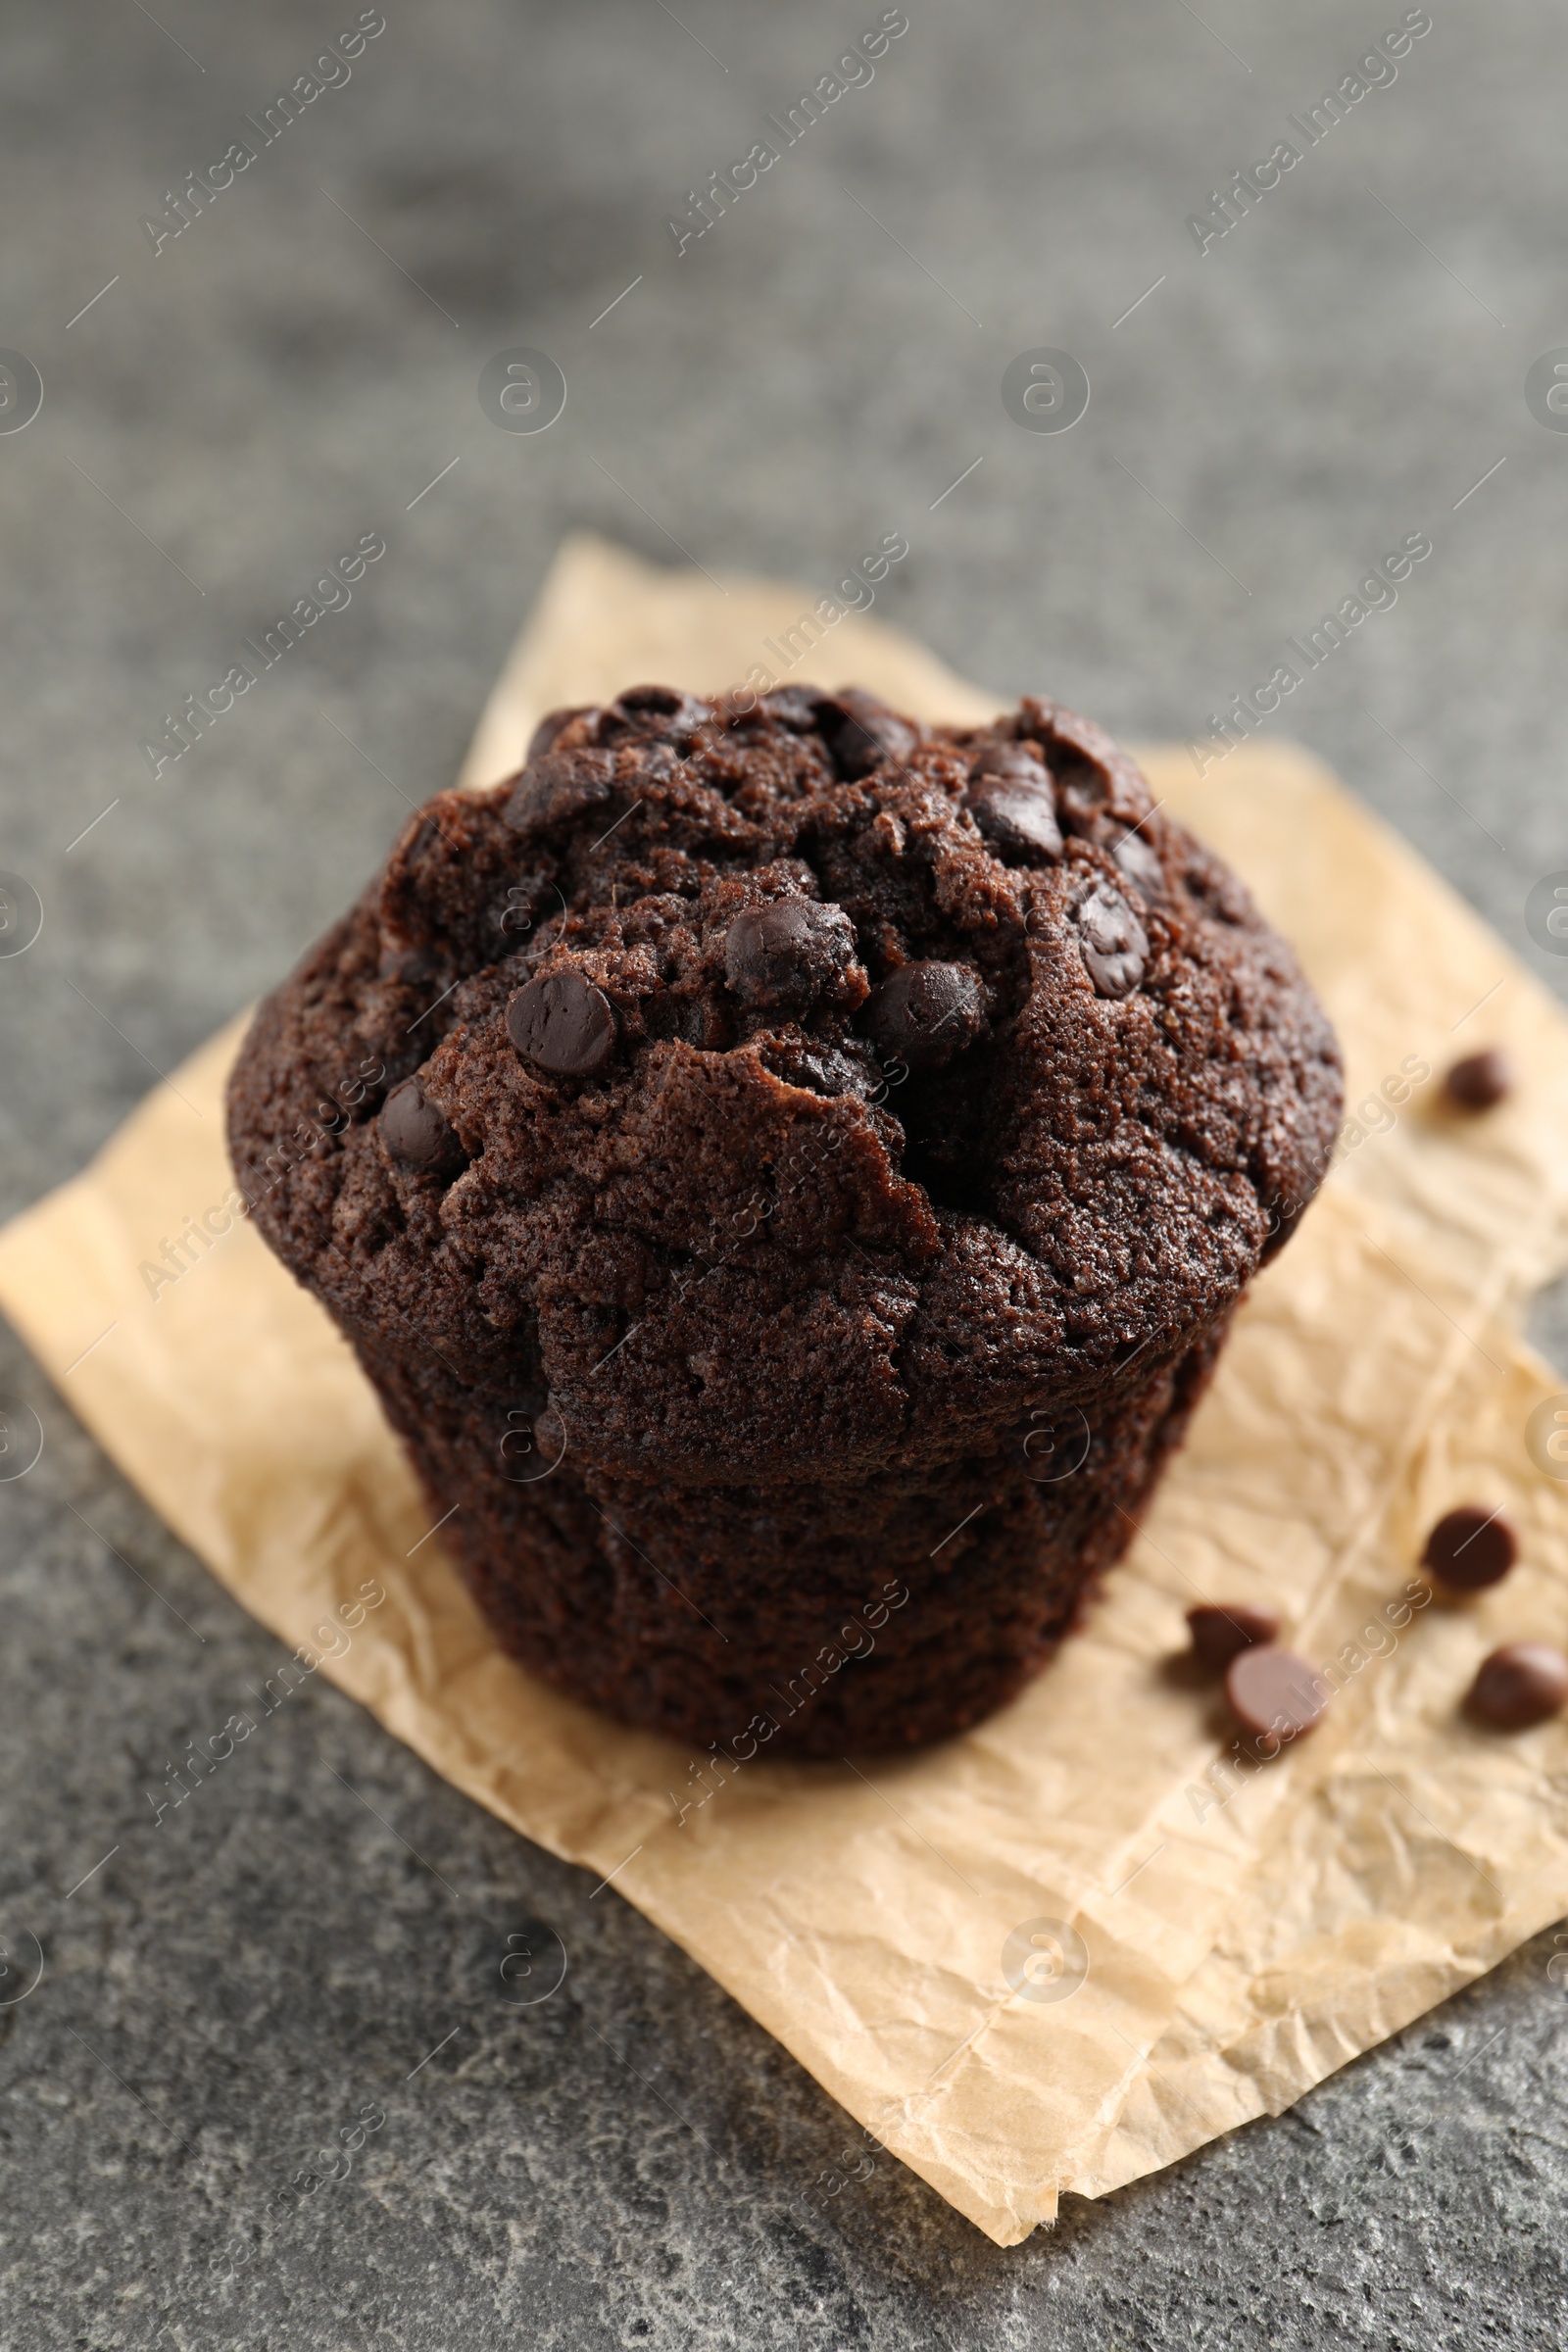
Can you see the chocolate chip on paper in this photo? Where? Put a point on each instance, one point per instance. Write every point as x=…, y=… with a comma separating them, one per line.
x=1481, y=1081
x=1273, y=1692
x=1471, y=1548
x=1521, y=1684
x=1222, y=1631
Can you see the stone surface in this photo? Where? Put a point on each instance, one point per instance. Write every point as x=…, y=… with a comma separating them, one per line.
x=626, y=2162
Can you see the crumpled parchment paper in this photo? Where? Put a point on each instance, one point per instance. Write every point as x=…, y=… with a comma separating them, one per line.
x=1067, y=1949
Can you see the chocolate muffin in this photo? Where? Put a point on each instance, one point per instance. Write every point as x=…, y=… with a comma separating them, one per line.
x=788, y=1173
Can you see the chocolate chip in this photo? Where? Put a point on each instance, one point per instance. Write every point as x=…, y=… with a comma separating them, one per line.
x=1111, y=940
x=924, y=1013
x=1273, y=1691
x=1084, y=786
x=1138, y=861
x=416, y=1134
x=1520, y=1683
x=667, y=702
x=551, y=725
x=557, y=787
x=1223, y=1633
x=794, y=706
x=661, y=709
x=1012, y=801
x=563, y=1023
x=1481, y=1081
x=861, y=732
x=787, y=953
x=822, y=1069
x=1014, y=764
x=1470, y=1548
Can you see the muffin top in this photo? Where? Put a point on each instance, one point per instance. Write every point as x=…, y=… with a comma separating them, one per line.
x=775, y=1088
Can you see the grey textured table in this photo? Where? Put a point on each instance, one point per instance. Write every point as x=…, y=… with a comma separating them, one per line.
x=625, y=2164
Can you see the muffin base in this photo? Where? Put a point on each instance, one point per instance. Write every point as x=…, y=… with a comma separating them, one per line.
x=801, y=1619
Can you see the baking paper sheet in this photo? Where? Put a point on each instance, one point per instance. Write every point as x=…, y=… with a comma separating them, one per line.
x=1213, y=1941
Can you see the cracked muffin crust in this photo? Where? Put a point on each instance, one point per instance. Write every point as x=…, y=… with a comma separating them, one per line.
x=788, y=1126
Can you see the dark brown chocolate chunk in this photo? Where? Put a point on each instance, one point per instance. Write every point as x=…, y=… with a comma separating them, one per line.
x=787, y=953
x=666, y=700
x=1520, y=1683
x=1014, y=764
x=563, y=1024
x=557, y=788
x=1274, y=1693
x=1481, y=1081
x=924, y=1013
x=550, y=727
x=861, y=732
x=794, y=706
x=1084, y=788
x=1470, y=1548
x=822, y=1069
x=658, y=706
x=417, y=1133
x=1220, y=1634
x=1112, y=941
x=1137, y=860
x=1012, y=801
